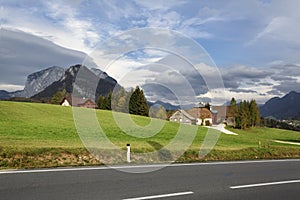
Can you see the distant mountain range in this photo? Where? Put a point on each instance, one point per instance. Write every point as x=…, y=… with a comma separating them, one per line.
x=45, y=83
x=287, y=107
x=4, y=94
x=167, y=106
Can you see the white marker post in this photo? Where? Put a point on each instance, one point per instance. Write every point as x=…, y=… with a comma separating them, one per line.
x=128, y=153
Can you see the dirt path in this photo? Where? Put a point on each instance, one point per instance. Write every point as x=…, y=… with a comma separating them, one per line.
x=221, y=127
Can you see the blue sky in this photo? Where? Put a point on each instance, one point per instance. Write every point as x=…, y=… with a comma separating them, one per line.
x=254, y=43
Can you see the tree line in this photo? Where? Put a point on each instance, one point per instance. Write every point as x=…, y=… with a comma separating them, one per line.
x=245, y=114
x=273, y=123
x=133, y=101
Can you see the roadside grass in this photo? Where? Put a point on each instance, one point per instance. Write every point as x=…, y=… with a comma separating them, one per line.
x=257, y=138
x=41, y=135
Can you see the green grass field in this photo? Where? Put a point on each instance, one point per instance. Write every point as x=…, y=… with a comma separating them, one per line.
x=43, y=135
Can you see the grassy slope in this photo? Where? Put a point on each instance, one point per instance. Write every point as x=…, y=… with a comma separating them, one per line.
x=42, y=126
x=36, y=125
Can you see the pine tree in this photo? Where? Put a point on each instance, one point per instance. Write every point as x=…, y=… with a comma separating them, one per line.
x=144, y=109
x=107, y=102
x=133, y=102
x=244, y=114
x=254, y=113
x=101, y=102
x=138, y=103
x=233, y=112
x=104, y=102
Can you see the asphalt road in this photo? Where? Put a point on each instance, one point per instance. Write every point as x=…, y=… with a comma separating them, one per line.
x=228, y=180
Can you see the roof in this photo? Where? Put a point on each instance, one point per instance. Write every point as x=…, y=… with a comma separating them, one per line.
x=87, y=101
x=198, y=112
x=75, y=101
x=185, y=114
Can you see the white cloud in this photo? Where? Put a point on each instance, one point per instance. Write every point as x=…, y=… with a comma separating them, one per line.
x=272, y=27
x=161, y=5
x=282, y=29
x=22, y=54
x=11, y=87
x=55, y=21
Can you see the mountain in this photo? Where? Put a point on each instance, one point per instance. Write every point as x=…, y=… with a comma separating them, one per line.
x=23, y=53
x=4, y=94
x=287, y=107
x=88, y=84
x=103, y=75
x=167, y=106
x=38, y=81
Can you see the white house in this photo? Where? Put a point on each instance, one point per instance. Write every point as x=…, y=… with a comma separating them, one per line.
x=65, y=102
x=182, y=116
x=196, y=115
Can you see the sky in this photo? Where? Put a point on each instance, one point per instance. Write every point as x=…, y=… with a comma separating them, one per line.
x=253, y=44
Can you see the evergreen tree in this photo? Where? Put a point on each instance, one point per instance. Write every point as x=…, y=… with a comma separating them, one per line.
x=101, y=102
x=244, y=114
x=138, y=103
x=133, y=102
x=104, y=102
x=107, y=102
x=254, y=113
x=144, y=109
x=233, y=112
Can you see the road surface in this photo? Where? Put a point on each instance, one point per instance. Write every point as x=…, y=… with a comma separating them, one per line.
x=221, y=180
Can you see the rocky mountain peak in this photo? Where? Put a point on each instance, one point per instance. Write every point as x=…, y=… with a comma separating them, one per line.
x=38, y=81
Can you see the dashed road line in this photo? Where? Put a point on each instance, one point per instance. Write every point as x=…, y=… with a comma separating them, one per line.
x=264, y=184
x=161, y=196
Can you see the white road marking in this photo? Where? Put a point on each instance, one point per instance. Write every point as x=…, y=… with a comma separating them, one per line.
x=264, y=184
x=142, y=166
x=161, y=196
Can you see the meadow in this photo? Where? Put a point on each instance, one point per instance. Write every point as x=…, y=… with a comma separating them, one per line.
x=43, y=135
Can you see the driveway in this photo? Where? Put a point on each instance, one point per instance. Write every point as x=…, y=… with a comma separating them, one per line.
x=221, y=127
